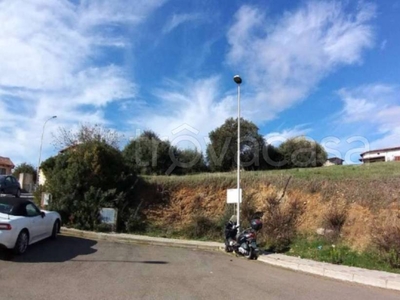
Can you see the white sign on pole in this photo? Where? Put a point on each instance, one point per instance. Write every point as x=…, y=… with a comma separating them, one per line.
x=232, y=196
x=108, y=216
x=46, y=197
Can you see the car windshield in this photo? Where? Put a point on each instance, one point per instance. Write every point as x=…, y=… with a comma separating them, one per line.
x=5, y=208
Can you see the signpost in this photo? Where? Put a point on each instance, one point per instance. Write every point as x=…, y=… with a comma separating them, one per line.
x=109, y=216
x=232, y=196
x=46, y=197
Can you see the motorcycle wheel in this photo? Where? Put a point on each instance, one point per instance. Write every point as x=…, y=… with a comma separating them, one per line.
x=250, y=255
x=228, y=249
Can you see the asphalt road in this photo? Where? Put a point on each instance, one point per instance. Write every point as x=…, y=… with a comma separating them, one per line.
x=75, y=268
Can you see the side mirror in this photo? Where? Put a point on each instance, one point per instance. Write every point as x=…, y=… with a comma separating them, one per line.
x=43, y=214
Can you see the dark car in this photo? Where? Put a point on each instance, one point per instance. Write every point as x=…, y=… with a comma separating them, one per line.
x=10, y=185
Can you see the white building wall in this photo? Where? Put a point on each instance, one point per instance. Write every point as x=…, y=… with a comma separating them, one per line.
x=389, y=155
x=392, y=154
x=328, y=163
x=42, y=178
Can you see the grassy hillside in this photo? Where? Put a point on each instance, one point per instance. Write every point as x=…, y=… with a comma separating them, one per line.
x=367, y=190
x=367, y=171
x=304, y=211
x=374, y=185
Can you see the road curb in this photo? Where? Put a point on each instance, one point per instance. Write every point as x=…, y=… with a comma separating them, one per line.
x=366, y=277
x=380, y=279
x=130, y=238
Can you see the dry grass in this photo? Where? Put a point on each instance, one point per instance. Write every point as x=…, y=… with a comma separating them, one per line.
x=280, y=221
x=365, y=191
x=335, y=218
x=386, y=235
x=374, y=185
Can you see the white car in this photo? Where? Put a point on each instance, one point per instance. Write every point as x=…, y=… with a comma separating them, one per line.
x=22, y=223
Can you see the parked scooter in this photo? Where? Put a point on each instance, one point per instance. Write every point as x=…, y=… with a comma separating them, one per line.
x=244, y=243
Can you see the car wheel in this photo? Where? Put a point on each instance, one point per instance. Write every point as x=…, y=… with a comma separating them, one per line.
x=56, y=229
x=22, y=242
x=18, y=194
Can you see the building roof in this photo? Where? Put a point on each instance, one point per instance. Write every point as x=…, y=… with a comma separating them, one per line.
x=380, y=150
x=70, y=147
x=5, y=161
x=335, y=159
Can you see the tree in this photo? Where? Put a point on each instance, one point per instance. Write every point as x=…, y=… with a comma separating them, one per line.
x=189, y=161
x=25, y=168
x=86, y=133
x=222, y=151
x=87, y=179
x=299, y=152
x=148, y=154
x=272, y=158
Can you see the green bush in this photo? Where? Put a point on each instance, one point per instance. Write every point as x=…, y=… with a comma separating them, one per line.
x=321, y=249
x=188, y=161
x=134, y=223
x=25, y=168
x=336, y=255
x=386, y=238
x=224, y=219
x=203, y=228
x=148, y=154
x=299, y=152
x=335, y=218
x=103, y=227
x=247, y=210
x=280, y=223
x=84, y=180
x=37, y=195
x=222, y=150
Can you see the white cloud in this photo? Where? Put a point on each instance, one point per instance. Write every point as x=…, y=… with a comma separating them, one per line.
x=364, y=102
x=48, y=51
x=178, y=19
x=37, y=49
x=101, y=12
x=195, y=103
x=276, y=138
x=368, y=120
x=283, y=61
x=376, y=109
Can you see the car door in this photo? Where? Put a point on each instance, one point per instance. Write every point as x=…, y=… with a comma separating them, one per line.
x=37, y=224
x=48, y=222
x=9, y=186
x=15, y=185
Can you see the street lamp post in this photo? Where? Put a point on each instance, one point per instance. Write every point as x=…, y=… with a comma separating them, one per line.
x=41, y=144
x=238, y=81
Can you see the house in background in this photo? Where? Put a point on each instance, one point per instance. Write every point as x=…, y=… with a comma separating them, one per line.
x=41, y=177
x=333, y=161
x=381, y=155
x=69, y=148
x=6, y=166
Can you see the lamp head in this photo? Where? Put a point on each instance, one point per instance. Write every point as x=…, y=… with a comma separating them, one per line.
x=237, y=79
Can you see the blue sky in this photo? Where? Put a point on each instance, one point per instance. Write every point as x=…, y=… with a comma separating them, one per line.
x=328, y=70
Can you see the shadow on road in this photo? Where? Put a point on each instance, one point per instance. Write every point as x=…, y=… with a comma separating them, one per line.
x=155, y=262
x=63, y=249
